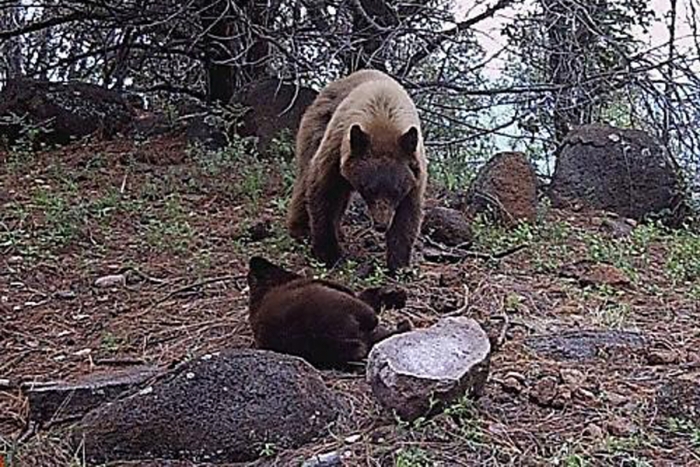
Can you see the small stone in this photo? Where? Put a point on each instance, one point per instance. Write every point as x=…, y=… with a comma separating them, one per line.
x=260, y=230
x=353, y=439
x=513, y=383
x=562, y=399
x=588, y=273
x=585, y=344
x=83, y=352
x=679, y=397
x=441, y=363
x=593, y=431
x=544, y=392
x=621, y=428
x=574, y=378
x=618, y=228
x=14, y=260
x=616, y=399
x=328, y=459
x=661, y=357
x=113, y=280
x=65, y=295
x=604, y=274
x=584, y=394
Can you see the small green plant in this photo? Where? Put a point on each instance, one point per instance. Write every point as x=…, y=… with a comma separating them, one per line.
x=281, y=147
x=683, y=263
x=22, y=151
x=513, y=302
x=172, y=231
x=465, y=415
x=412, y=457
x=268, y=450
x=686, y=429
x=613, y=315
x=110, y=342
x=575, y=460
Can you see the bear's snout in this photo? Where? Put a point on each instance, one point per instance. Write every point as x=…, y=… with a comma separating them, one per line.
x=382, y=213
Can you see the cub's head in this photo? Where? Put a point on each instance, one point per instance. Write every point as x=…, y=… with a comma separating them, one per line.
x=383, y=166
x=263, y=276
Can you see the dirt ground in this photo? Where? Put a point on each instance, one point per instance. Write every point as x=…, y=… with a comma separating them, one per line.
x=182, y=223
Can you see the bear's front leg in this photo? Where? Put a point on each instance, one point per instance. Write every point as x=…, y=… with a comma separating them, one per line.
x=326, y=203
x=403, y=231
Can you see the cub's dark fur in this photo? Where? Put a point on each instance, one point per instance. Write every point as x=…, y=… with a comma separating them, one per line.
x=321, y=321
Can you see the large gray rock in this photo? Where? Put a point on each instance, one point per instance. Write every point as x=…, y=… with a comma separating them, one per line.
x=619, y=170
x=224, y=407
x=441, y=363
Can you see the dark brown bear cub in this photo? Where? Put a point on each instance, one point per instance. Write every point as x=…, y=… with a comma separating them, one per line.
x=362, y=133
x=320, y=321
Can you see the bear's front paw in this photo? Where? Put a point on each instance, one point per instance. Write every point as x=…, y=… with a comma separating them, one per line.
x=329, y=254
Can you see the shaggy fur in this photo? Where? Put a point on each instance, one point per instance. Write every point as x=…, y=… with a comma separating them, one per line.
x=320, y=321
x=362, y=133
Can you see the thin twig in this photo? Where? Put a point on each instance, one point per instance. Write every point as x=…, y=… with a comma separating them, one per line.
x=198, y=284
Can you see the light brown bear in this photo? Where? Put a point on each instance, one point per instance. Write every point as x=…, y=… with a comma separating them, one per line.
x=362, y=133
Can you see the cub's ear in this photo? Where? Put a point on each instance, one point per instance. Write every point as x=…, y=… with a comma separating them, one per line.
x=263, y=272
x=359, y=140
x=409, y=140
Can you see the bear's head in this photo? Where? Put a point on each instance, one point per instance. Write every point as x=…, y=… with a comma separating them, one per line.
x=383, y=166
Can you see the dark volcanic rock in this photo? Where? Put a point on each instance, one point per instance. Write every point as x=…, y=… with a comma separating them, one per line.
x=69, y=111
x=679, y=397
x=447, y=226
x=506, y=188
x=219, y=408
x=272, y=106
x=55, y=401
x=623, y=171
x=583, y=345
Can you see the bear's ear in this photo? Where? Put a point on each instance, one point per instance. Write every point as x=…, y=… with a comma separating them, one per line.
x=409, y=141
x=359, y=141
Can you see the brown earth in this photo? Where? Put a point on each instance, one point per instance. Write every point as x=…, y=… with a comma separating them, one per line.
x=177, y=223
